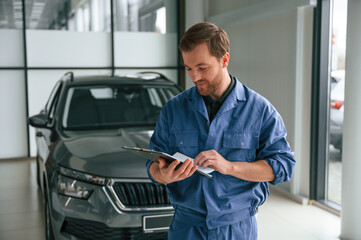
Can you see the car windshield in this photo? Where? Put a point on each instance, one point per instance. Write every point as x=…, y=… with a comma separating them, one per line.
x=112, y=106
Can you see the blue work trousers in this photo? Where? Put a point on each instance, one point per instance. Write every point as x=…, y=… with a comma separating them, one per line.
x=244, y=230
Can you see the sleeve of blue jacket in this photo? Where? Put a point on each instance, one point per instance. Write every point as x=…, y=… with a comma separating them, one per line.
x=274, y=148
x=159, y=140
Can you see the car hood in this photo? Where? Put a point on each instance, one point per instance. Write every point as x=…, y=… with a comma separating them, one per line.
x=100, y=153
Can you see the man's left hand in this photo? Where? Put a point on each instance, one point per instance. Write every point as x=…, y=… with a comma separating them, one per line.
x=214, y=160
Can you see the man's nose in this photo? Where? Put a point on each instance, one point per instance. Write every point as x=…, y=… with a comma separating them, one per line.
x=196, y=76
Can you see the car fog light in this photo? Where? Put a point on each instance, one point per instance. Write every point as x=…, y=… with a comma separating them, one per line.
x=73, y=188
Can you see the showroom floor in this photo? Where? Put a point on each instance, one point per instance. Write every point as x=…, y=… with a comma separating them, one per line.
x=21, y=211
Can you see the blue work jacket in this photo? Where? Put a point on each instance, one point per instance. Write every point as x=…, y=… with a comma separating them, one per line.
x=246, y=128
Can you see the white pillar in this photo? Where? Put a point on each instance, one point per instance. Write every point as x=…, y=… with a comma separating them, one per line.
x=351, y=160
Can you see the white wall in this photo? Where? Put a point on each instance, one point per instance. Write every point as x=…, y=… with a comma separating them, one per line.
x=13, y=138
x=271, y=52
x=49, y=48
x=11, y=48
x=145, y=49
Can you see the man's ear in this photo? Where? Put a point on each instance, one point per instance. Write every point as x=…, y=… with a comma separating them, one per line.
x=225, y=60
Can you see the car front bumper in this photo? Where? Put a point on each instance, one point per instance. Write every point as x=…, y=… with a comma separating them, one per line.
x=104, y=216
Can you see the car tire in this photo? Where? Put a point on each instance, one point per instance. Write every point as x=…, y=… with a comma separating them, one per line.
x=37, y=171
x=49, y=234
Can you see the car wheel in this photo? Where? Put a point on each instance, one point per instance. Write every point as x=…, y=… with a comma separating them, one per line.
x=37, y=171
x=49, y=234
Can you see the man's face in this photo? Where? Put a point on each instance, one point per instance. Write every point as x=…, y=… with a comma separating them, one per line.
x=205, y=70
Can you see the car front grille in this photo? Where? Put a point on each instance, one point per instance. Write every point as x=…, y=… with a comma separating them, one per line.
x=84, y=229
x=141, y=195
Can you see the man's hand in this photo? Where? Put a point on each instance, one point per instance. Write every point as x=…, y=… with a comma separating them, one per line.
x=164, y=173
x=213, y=160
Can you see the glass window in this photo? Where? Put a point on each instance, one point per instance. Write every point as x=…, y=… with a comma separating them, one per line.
x=11, y=14
x=114, y=106
x=336, y=100
x=69, y=15
x=144, y=16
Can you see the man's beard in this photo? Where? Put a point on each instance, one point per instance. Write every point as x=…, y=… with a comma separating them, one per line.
x=205, y=89
x=208, y=88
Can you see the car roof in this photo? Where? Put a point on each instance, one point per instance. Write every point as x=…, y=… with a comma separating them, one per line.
x=139, y=78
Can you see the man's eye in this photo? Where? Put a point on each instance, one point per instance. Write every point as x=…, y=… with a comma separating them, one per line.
x=202, y=69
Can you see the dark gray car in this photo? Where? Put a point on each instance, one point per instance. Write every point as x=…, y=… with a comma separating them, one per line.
x=92, y=188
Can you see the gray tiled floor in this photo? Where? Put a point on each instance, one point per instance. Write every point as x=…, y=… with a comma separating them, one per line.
x=21, y=211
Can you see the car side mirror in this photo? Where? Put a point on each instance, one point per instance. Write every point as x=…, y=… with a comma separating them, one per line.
x=40, y=120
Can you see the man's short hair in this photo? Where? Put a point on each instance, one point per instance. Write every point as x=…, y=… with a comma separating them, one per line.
x=215, y=37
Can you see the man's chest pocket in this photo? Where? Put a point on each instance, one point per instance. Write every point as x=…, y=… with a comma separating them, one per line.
x=239, y=146
x=185, y=142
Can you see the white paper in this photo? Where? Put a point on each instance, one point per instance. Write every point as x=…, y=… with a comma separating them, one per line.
x=181, y=157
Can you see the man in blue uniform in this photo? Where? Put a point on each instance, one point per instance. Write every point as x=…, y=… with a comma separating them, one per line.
x=223, y=125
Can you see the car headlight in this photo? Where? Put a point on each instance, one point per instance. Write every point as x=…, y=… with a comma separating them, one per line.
x=73, y=188
x=76, y=184
x=85, y=177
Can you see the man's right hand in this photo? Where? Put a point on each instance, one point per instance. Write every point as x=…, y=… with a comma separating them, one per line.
x=167, y=173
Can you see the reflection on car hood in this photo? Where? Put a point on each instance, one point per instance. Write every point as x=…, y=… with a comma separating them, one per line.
x=100, y=153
